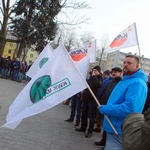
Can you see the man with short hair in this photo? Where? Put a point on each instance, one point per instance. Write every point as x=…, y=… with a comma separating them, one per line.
x=128, y=96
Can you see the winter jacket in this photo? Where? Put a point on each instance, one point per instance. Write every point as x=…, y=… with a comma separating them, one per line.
x=136, y=131
x=6, y=63
x=106, y=80
x=128, y=96
x=109, y=87
x=95, y=82
x=147, y=104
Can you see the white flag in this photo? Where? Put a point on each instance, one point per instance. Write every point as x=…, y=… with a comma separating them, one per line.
x=126, y=38
x=56, y=81
x=88, y=49
x=83, y=66
x=40, y=61
x=91, y=51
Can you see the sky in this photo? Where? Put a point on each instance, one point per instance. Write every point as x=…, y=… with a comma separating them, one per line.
x=110, y=17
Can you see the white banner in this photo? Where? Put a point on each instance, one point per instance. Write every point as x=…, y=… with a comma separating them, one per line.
x=56, y=81
x=91, y=47
x=40, y=61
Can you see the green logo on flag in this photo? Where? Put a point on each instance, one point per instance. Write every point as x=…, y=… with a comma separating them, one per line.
x=39, y=88
x=42, y=62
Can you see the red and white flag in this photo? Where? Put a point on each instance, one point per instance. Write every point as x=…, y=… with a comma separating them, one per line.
x=126, y=38
x=88, y=49
x=81, y=60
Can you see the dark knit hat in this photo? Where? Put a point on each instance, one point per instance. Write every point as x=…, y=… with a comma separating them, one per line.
x=97, y=68
x=107, y=72
x=117, y=69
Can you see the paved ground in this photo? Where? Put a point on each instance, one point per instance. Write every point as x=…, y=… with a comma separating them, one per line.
x=45, y=131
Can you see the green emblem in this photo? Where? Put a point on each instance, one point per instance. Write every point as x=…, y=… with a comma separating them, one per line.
x=39, y=87
x=42, y=62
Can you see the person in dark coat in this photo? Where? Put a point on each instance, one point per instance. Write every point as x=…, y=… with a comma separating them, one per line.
x=6, y=64
x=95, y=82
x=147, y=104
x=136, y=131
x=107, y=78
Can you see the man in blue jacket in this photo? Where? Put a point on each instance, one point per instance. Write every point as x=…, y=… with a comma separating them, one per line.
x=128, y=96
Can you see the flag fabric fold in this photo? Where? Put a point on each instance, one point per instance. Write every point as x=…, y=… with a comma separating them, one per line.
x=40, y=61
x=56, y=81
x=126, y=38
x=83, y=66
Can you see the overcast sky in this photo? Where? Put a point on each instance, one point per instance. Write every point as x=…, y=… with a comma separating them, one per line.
x=110, y=17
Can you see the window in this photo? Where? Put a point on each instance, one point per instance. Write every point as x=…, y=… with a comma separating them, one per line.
x=32, y=49
x=30, y=61
x=9, y=51
x=31, y=55
x=11, y=45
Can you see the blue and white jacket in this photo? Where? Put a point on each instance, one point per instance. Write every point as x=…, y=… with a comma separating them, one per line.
x=128, y=96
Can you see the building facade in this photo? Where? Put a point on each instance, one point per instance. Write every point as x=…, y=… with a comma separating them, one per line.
x=10, y=49
x=31, y=55
x=116, y=58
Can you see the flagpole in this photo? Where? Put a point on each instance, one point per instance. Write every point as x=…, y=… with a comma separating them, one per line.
x=138, y=44
x=91, y=92
x=99, y=105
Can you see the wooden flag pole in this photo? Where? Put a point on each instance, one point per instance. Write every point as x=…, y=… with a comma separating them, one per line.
x=99, y=106
x=140, y=58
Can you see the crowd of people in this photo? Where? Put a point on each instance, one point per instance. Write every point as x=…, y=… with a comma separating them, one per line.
x=13, y=69
x=120, y=110
x=121, y=92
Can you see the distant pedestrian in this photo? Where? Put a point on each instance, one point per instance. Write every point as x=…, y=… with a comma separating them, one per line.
x=6, y=64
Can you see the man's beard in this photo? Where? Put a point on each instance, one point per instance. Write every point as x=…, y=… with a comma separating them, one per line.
x=126, y=71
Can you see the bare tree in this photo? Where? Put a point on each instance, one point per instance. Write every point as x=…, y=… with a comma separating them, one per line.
x=70, y=13
x=101, y=55
x=69, y=38
x=6, y=11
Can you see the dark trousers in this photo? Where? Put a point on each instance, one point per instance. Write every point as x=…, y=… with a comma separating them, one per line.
x=103, y=140
x=15, y=74
x=99, y=120
x=76, y=108
x=88, y=112
x=5, y=73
